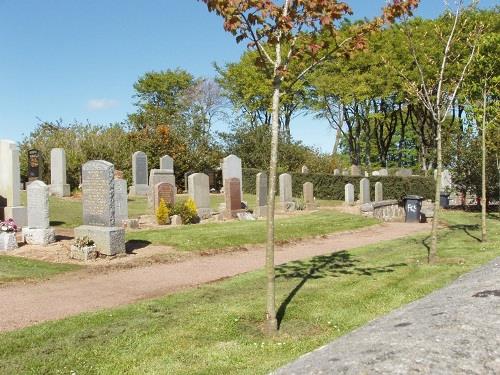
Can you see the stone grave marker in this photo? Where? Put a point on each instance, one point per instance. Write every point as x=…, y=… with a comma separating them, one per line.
x=383, y=172
x=308, y=191
x=34, y=165
x=140, y=185
x=349, y=194
x=58, y=183
x=261, y=191
x=10, y=184
x=286, y=194
x=355, y=170
x=345, y=172
x=38, y=231
x=336, y=172
x=165, y=191
x=98, y=201
x=155, y=177
x=404, y=172
x=379, y=192
x=305, y=169
x=121, y=201
x=232, y=197
x=231, y=168
x=364, y=190
x=167, y=163
x=199, y=192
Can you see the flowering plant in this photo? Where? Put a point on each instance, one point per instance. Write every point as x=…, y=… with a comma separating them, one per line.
x=8, y=226
x=83, y=242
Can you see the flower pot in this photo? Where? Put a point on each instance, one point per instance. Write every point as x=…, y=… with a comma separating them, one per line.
x=83, y=252
x=8, y=241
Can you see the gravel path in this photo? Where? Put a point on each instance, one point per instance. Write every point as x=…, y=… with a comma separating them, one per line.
x=70, y=294
x=455, y=330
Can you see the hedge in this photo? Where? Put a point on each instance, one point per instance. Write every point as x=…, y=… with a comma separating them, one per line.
x=328, y=186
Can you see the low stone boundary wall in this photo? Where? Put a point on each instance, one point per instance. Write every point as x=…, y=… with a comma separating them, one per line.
x=387, y=211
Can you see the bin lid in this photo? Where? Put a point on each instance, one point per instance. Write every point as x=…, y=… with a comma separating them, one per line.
x=413, y=197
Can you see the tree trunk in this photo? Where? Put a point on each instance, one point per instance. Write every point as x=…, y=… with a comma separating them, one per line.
x=433, y=249
x=484, y=199
x=272, y=324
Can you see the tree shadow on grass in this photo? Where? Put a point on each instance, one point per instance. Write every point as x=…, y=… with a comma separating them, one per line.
x=467, y=228
x=333, y=265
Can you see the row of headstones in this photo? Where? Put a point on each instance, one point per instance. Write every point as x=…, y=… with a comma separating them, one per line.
x=364, y=192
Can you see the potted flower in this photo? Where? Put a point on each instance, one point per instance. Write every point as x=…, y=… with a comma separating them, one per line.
x=83, y=248
x=8, y=229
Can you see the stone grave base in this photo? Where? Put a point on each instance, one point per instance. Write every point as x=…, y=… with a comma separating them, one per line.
x=139, y=190
x=204, y=213
x=260, y=211
x=232, y=214
x=83, y=253
x=60, y=190
x=8, y=241
x=36, y=236
x=108, y=240
x=19, y=214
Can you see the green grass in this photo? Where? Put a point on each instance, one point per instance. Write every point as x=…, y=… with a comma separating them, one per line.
x=15, y=268
x=217, y=328
x=238, y=233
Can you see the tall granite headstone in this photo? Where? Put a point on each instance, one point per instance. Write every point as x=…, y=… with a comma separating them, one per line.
x=10, y=184
x=261, y=192
x=286, y=195
x=155, y=177
x=232, y=197
x=199, y=192
x=364, y=191
x=308, y=192
x=140, y=185
x=349, y=194
x=38, y=231
x=121, y=201
x=231, y=168
x=98, y=201
x=58, y=183
x=379, y=192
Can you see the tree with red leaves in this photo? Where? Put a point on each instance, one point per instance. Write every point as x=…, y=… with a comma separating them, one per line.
x=303, y=31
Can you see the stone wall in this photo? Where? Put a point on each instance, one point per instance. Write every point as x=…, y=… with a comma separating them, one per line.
x=387, y=211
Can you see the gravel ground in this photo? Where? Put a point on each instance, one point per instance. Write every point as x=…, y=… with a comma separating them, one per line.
x=455, y=330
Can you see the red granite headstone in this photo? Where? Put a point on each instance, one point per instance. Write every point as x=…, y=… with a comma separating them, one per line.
x=165, y=191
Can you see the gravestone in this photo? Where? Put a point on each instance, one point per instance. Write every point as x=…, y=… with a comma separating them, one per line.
x=345, y=172
x=404, y=172
x=34, y=165
x=379, y=192
x=140, y=185
x=355, y=170
x=232, y=197
x=261, y=191
x=383, y=172
x=186, y=180
x=231, y=168
x=367, y=174
x=446, y=181
x=376, y=173
x=308, y=191
x=349, y=194
x=167, y=163
x=121, y=201
x=199, y=192
x=305, y=170
x=336, y=172
x=38, y=231
x=364, y=190
x=286, y=195
x=155, y=177
x=165, y=191
x=58, y=184
x=98, y=201
x=10, y=184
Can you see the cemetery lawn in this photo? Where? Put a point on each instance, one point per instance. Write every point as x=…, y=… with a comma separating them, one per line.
x=217, y=328
x=15, y=268
x=238, y=233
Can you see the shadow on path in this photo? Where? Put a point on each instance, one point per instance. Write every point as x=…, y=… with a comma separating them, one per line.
x=333, y=265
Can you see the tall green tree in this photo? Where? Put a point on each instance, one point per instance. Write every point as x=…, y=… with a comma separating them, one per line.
x=282, y=32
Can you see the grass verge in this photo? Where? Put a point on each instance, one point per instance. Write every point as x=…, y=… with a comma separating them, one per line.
x=217, y=328
x=15, y=268
x=238, y=233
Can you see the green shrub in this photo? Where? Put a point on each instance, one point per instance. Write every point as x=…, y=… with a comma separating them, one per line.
x=328, y=186
x=162, y=213
x=187, y=211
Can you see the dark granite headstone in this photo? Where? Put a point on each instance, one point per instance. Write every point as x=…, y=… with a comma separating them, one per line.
x=98, y=193
x=34, y=165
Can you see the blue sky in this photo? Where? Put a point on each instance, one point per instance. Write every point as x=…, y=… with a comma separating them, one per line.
x=78, y=59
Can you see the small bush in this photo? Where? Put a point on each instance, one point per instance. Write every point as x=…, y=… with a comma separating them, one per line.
x=300, y=204
x=187, y=211
x=162, y=213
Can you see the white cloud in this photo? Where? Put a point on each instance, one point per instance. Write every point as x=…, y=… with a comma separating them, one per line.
x=101, y=104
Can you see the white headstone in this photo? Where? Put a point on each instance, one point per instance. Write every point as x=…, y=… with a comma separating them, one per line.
x=286, y=194
x=167, y=163
x=199, y=192
x=379, y=192
x=58, y=184
x=231, y=168
x=349, y=194
x=336, y=172
x=364, y=191
x=38, y=205
x=383, y=172
x=10, y=184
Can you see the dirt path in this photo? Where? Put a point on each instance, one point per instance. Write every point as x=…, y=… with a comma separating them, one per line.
x=70, y=294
